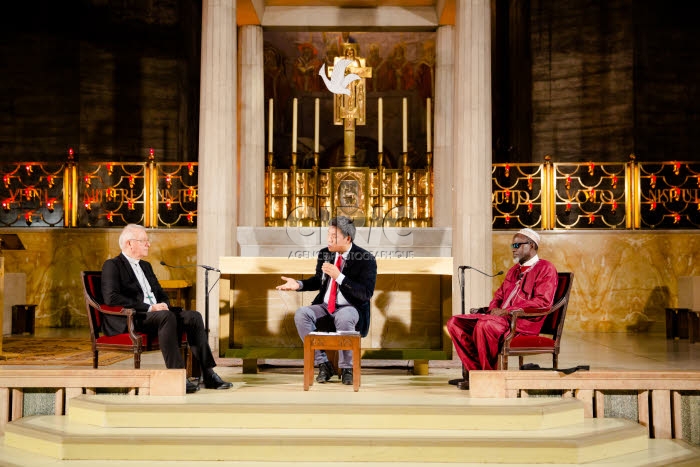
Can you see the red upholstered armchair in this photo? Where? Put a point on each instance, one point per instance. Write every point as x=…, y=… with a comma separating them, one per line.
x=131, y=341
x=549, y=338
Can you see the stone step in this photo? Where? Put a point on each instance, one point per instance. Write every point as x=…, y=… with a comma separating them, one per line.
x=324, y=411
x=588, y=441
x=666, y=453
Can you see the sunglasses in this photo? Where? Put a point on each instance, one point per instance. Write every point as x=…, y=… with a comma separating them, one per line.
x=515, y=246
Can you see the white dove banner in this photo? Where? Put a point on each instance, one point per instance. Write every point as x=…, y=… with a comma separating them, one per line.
x=339, y=82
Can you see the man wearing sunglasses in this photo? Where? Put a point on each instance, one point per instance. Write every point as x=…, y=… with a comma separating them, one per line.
x=529, y=285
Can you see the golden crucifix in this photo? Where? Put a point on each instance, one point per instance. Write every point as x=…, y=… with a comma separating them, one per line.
x=349, y=110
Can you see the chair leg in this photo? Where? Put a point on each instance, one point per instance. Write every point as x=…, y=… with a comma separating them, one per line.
x=504, y=362
x=521, y=361
x=137, y=360
x=555, y=361
x=187, y=357
x=95, y=360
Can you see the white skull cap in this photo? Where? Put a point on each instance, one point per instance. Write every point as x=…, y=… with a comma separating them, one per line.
x=531, y=234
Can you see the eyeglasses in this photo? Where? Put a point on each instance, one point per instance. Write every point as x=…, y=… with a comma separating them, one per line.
x=515, y=246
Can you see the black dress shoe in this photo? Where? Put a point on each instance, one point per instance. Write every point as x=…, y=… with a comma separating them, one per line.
x=463, y=385
x=325, y=372
x=346, y=376
x=215, y=382
x=191, y=387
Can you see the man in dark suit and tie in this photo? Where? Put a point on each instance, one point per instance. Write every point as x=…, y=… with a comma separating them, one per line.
x=345, y=278
x=128, y=281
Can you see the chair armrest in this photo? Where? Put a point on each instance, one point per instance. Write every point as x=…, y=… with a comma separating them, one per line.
x=115, y=310
x=530, y=313
x=129, y=314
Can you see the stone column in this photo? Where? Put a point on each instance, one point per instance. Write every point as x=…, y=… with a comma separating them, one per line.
x=252, y=149
x=444, y=120
x=218, y=152
x=471, y=233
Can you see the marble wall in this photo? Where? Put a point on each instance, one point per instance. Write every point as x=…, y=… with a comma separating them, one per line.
x=623, y=279
x=53, y=258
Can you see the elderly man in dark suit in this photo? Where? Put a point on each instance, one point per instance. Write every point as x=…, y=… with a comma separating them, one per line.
x=345, y=278
x=128, y=281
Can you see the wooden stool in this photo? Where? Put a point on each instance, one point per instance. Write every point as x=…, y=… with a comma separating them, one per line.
x=331, y=341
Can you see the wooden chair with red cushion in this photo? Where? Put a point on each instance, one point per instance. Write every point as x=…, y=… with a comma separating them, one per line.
x=131, y=341
x=549, y=338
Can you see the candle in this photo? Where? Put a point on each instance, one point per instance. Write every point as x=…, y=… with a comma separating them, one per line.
x=294, y=126
x=405, y=125
x=269, y=126
x=380, y=130
x=429, y=129
x=316, y=125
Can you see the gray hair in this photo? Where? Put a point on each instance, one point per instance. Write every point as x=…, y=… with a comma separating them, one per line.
x=346, y=226
x=128, y=233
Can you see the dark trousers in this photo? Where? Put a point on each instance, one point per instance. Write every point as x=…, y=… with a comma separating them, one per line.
x=169, y=326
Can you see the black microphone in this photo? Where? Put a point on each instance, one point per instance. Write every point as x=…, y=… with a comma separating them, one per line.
x=176, y=267
x=327, y=258
x=482, y=272
x=203, y=266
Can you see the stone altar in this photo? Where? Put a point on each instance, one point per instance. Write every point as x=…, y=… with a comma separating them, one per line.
x=411, y=304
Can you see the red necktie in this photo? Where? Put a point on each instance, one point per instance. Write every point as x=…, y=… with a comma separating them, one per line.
x=334, y=287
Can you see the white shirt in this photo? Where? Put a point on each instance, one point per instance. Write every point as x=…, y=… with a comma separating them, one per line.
x=339, y=299
x=148, y=296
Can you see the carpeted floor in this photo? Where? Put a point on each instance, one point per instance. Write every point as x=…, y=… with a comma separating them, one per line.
x=30, y=350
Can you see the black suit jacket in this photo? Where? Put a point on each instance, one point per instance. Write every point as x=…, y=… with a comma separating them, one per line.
x=120, y=287
x=360, y=272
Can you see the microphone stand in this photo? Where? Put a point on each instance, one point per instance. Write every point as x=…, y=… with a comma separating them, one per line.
x=460, y=277
x=461, y=291
x=206, y=306
x=206, y=301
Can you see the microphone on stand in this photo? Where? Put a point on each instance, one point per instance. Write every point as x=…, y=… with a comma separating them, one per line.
x=462, y=268
x=203, y=266
x=176, y=267
x=207, y=290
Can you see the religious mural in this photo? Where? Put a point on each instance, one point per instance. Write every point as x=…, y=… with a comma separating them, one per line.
x=399, y=65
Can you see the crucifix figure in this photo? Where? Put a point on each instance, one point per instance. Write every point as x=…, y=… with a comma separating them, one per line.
x=349, y=110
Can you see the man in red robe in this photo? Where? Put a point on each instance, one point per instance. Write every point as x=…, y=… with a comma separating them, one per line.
x=529, y=285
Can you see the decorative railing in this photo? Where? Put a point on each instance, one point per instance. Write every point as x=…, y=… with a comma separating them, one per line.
x=100, y=194
x=632, y=195
x=381, y=196
x=609, y=195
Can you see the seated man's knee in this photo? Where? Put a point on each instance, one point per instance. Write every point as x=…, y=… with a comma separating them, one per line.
x=302, y=316
x=492, y=326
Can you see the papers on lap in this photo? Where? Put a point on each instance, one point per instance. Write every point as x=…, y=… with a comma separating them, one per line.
x=337, y=333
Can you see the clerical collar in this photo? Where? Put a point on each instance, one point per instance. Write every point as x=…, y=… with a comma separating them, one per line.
x=131, y=260
x=530, y=262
